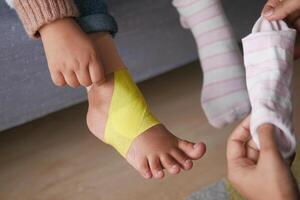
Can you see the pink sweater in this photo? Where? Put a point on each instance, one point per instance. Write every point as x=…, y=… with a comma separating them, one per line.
x=36, y=13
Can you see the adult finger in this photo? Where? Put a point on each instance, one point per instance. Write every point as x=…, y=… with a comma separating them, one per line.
x=252, y=150
x=276, y=10
x=269, y=7
x=236, y=141
x=252, y=154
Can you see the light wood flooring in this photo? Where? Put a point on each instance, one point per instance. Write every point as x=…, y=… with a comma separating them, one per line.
x=57, y=158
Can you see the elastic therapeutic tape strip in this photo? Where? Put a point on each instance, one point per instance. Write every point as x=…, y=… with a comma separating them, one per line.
x=129, y=115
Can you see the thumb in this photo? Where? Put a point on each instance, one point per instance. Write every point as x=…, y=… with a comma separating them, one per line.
x=277, y=10
x=266, y=133
x=269, y=152
x=96, y=71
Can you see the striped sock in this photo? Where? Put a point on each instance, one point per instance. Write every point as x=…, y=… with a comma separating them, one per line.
x=224, y=94
x=269, y=68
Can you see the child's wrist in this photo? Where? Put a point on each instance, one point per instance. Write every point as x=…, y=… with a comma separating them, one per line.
x=58, y=26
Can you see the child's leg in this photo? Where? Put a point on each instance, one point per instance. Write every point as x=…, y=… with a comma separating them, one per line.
x=118, y=115
x=224, y=94
x=269, y=67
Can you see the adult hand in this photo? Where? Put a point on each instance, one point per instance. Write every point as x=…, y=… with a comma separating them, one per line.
x=284, y=9
x=259, y=175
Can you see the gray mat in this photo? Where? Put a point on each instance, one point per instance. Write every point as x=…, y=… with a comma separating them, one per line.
x=216, y=191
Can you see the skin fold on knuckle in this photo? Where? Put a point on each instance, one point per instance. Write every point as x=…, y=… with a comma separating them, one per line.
x=93, y=54
x=75, y=65
x=93, y=58
x=62, y=66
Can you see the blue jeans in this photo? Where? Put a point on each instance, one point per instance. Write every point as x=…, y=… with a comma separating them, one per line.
x=94, y=17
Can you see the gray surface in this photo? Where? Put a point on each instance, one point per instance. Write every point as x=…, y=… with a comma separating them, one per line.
x=216, y=191
x=151, y=41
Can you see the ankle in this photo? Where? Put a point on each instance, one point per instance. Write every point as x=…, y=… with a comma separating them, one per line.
x=107, y=51
x=100, y=95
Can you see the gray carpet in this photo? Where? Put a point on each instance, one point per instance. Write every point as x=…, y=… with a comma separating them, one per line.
x=216, y=191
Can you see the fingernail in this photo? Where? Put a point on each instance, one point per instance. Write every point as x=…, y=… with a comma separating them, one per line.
x=268, y=11
x=196, y=145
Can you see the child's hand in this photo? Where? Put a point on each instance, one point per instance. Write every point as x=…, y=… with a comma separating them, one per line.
x=284, y=9
x=72, y=59
x=259, y=175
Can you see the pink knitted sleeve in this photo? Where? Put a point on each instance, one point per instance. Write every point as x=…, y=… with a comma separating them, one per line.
x=36, y=13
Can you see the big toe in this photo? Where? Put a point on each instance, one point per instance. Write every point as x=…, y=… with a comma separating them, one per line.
x=194, y=150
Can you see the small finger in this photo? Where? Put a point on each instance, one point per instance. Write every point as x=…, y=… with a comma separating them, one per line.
x=58, y=78
x=83, y=76
x=71, y=79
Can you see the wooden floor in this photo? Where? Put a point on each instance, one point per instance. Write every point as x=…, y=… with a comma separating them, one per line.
x=57, y=158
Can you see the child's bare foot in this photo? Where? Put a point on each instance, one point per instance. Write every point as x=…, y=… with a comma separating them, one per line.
x=153, y=150
x=157, y=148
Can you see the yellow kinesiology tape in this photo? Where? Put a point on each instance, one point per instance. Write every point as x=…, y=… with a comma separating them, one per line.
x=129, y=115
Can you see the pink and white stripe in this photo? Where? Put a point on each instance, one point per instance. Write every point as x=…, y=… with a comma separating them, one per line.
x=269, y=68
x=224, y=94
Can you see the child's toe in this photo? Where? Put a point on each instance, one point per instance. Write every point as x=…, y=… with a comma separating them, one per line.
x=170, y=164
x=156, y=167
x=194, y=151
x=182, y=158
x=144, y=169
